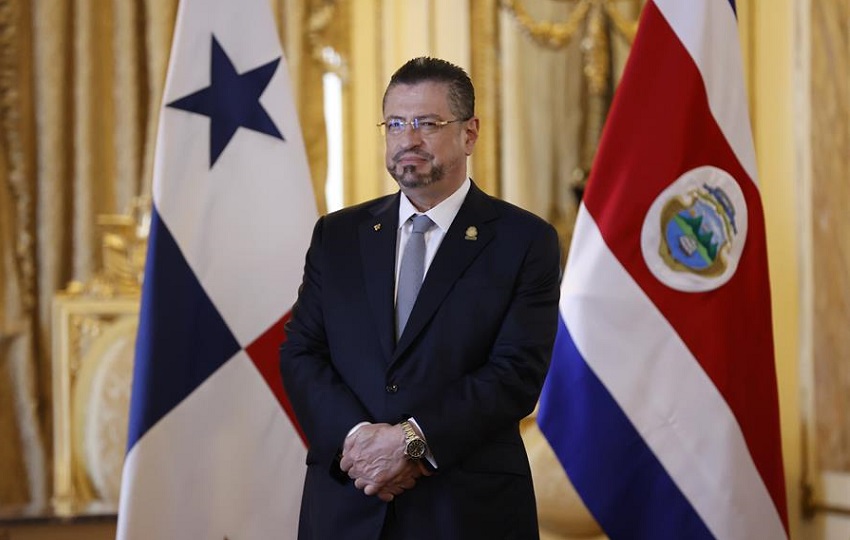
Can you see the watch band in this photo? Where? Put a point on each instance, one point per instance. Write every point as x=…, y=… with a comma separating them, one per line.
x=409, y=432
x=414, y=445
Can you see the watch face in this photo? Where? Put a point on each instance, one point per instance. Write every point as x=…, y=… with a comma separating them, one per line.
x=415, y=449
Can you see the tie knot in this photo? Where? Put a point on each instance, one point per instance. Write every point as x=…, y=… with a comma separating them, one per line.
x=421, y=223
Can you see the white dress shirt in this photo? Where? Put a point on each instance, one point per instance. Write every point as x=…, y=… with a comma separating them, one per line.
x=442, y=215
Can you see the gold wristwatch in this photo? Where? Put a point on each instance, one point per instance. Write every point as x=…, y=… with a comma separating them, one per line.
x=414, y=445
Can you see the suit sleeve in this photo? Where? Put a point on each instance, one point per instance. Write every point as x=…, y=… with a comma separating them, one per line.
x=324, y=406
x=505, y=389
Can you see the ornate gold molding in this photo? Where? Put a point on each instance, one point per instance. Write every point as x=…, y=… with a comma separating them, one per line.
x=325, y=50
x=547, y=33
x=94, y=329
x=123, y=248
x=91, y=376
x=318, y=21
x=15, y=100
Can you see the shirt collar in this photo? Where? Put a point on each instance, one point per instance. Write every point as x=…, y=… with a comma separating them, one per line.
x=443, y=214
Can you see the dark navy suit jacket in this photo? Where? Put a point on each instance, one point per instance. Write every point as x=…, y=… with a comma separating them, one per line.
x=468, y=367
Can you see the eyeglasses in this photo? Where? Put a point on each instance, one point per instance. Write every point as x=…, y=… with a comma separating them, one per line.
x=425, y=126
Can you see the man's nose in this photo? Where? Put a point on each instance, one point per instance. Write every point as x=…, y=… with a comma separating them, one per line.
x=410, y=136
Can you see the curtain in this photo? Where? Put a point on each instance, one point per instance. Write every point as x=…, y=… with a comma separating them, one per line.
x=81, y=82
x=560, y=64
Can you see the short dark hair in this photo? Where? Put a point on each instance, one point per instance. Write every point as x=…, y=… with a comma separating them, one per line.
x=425, y=68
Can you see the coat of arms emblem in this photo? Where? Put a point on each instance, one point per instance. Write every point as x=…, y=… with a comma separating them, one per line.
x=694, y=232
x=698, y=230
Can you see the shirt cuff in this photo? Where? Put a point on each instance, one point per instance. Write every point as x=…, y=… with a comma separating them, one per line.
x=355, y=428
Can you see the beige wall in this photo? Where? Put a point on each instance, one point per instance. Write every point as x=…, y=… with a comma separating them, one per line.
x=796, y=55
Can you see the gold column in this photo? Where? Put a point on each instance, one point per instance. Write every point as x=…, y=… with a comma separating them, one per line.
x=768, y=47
x=364, y=167
x=484, y=30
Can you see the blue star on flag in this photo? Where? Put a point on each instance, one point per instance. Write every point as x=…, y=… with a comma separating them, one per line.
x=232, y=100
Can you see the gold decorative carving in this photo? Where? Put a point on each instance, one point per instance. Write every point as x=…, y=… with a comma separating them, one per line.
x=91, y=367
x=94, y=331
x=101, y=404
x=597, y=56
x=558, y=35
x=547, y=33
x=318, y=22
x=325, y=51
x=123, y=249
x=15, y=101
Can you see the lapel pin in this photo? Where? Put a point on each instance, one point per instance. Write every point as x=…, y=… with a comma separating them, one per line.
x=377, y=226
x=471, y=233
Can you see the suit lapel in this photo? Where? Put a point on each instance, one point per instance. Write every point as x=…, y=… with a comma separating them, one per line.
x=377, y=252
x=459, y=248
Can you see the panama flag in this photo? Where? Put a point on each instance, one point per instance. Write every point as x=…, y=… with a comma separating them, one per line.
x=661, y=402
x=214, y=451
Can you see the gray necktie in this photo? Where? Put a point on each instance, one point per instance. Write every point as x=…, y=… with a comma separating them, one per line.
x=411, y=272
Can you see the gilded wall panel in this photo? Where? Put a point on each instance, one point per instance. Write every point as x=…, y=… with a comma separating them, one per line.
x=830, y=193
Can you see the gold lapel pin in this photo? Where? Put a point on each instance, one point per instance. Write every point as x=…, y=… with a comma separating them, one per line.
x=471, y=233
x=377, y=226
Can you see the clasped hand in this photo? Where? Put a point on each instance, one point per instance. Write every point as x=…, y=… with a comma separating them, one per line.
x=373, y=456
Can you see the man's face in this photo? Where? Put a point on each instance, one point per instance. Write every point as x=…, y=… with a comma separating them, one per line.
x=431, y=158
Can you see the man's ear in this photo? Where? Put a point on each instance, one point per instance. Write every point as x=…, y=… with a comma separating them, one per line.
x=471, y=134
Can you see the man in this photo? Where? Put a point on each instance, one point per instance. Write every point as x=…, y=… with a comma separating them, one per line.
x=411, y=400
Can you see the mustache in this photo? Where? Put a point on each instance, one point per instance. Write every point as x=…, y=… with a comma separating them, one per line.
x=404, y=153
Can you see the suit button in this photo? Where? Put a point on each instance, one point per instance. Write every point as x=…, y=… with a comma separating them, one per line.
x=392, y=388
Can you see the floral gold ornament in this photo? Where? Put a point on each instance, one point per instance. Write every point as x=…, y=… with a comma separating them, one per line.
x=377, y=227
x=124, y=239
x=557, y=35
x=471, y=233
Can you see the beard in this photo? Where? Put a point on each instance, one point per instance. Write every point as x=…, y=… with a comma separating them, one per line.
x=407, y=177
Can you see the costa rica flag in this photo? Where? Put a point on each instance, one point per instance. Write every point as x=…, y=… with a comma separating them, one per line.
x=661, y=401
